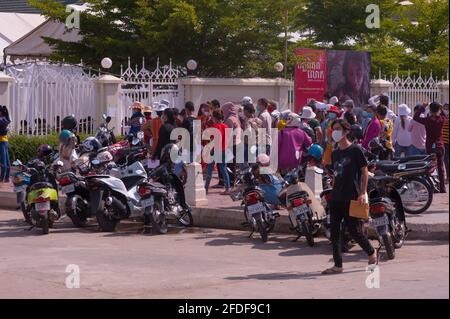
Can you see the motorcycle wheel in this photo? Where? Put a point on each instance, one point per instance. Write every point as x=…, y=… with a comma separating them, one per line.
x=158, y=219
x=107, y=223
x=306, y=230
x=425, y=188
x=45, y=225
x=400, y=233
x=26, y=214
x=186, y=218
x=388, y=245
x=262, y=230
x=77, y=220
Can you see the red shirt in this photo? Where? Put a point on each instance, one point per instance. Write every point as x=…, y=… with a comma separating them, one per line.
x=222, y=127
x=433, y=126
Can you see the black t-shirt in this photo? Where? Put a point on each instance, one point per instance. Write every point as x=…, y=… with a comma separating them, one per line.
x=347, y=165
x=188, y=124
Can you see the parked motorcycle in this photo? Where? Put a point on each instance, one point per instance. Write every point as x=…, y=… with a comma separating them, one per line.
x=162, y=198
x=21, y=180
x=258, y=214
x=42, y=194
x=299, y=205
x=386, y=213
x=104, y=134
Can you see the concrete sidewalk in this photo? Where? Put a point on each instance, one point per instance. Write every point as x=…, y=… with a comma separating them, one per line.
x=221, y=212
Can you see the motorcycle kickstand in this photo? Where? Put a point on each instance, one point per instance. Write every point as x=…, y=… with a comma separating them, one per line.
x=29, y=229
x=251, y=234
x=296, y=239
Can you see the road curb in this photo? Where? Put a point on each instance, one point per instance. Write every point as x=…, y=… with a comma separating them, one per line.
x=232, y=218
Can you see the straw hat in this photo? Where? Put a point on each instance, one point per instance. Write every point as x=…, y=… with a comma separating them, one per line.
x=137, y=105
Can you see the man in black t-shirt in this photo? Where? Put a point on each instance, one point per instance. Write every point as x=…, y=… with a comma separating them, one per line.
x=350, y=183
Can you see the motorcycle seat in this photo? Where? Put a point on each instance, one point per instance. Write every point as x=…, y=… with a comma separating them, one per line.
x=40, y=186
x=413, y=158
x=393, y=168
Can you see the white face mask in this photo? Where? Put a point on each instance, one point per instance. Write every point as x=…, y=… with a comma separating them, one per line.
x=337, y=136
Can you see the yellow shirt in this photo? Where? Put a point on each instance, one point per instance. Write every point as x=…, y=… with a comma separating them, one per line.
x=3, y=138
x=387, y=128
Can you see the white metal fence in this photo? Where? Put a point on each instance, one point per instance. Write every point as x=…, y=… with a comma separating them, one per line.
x=412, y=90
x=42, y=94
x=152, y=86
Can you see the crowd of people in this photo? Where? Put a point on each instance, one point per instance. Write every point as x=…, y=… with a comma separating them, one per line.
x=423, y=130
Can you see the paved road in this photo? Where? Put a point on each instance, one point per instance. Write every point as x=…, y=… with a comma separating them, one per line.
x=202, y=263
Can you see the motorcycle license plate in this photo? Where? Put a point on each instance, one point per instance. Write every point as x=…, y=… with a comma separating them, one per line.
x=18, y=189
x=381, y=221
x=302, y=212
x=68, y=189
x=147, y=202
x=255, y=209
x=42, y=206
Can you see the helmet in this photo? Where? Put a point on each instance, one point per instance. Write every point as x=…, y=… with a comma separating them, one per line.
x=293, y=120
x=168, y=151
x=104, y=157
x=69, y=123
x=357, y=132
x=275, y=115
x=44, y=150
x=316, y=151
x=65, y=136
x=91, y=144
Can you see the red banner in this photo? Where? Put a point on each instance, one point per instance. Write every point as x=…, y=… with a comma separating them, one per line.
x=310, y=76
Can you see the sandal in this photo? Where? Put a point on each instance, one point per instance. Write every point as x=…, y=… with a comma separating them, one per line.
x=333, y=271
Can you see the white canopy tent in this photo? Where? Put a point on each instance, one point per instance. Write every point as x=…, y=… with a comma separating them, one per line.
x=32, y=45
x=14, y=25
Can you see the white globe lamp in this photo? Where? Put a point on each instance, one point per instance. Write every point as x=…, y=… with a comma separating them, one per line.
x=106, y=63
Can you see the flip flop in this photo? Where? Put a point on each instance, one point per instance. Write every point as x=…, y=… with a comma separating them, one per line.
x=332, y=271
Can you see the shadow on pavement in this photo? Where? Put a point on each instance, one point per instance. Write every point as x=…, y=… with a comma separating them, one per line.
x=288, y=275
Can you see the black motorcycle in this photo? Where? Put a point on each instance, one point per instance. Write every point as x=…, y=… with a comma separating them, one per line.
x=162, y=197
x=257, y=212
x=386, y=213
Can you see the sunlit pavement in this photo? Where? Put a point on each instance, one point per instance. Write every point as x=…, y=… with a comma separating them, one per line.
x=203, y=263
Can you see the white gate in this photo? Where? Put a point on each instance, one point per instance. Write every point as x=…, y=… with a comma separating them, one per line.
x=152, y=86
x=411, y=90
x=42, y=94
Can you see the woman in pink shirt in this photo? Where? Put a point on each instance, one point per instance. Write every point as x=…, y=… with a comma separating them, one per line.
x=374, y=127
x=418, y=136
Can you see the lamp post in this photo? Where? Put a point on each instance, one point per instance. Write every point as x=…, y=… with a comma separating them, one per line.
x=191, y=66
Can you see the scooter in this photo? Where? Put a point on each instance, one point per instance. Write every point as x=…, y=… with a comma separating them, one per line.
x=21, y=180
x=258, y=215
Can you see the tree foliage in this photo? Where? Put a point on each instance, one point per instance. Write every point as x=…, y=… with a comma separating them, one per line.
x=245, y=37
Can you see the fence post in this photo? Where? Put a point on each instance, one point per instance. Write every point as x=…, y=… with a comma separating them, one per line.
x=4, y=89
x=380, y=86
x=108, y=101
x=443, y=91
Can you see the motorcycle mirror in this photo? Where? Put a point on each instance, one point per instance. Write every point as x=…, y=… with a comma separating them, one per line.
x=17, y=163
x=108, y=119
x=104, y=116
x=318, y=170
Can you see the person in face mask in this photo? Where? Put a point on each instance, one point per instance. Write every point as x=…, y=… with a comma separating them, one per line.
x=146, y=127
x=137, y=118
x=373, y=128
x=327, y=141
x=350, y=183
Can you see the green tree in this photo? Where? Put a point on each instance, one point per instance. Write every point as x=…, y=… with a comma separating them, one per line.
x=227, y=38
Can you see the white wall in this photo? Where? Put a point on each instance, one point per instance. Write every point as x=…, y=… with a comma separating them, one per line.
x=201, y=90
